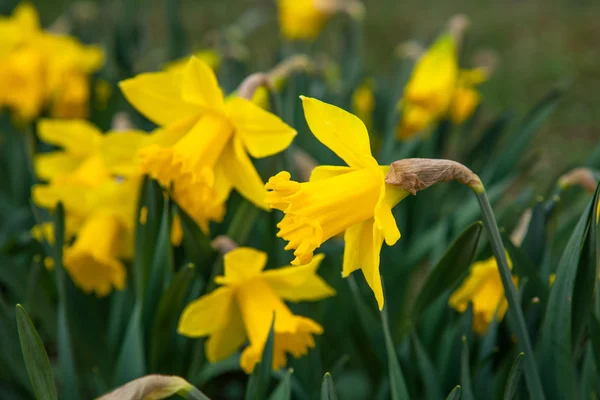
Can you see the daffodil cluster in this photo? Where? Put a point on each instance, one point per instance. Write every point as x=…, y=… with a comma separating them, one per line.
x=41, y=69
x=438, y=88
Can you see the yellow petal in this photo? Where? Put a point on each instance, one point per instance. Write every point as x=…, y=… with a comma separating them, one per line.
x=157, y=96
x=207, y=314
x=225, y=341
x=200, y=86
x=53, y=164
x=93, y=261
x=389, y=197
x=361, y=250
x=73, y=196
x=119, y=151
x=262, y=133
x=77, y=137
x=327, y=171
x=26, y=16
x=299, y=283
x=242, y=175
x=344, y=133
x=242, y=264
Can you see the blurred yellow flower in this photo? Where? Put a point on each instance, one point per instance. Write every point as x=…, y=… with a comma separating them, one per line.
x=438, y=88
x=302, y=19
x=246, y=303
x=483, y=288
x=210, y=57
x=207, y=139
x=86, y=153
x=39, y=68
x=102, y=217
x=352, y=199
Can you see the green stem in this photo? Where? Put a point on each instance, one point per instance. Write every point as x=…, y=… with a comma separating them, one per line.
x=514, y=308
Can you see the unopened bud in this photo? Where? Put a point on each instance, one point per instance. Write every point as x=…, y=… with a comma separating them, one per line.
x=223, y=244
x=583, y=177
x=416, y=174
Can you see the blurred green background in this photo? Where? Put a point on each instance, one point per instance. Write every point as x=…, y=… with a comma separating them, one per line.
x=538, y=43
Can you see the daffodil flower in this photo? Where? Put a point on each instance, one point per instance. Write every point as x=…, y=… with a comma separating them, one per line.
x=244, y=307
x=302, y=19
x=353, y=199
x=466, y=97
x=102, y=217
x=211, y=138
x=483, y=288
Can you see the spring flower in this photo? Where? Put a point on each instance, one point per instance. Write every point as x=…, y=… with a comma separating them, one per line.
x=483, y=288
x=86, y=152
x=363, y=102
x=429, y=91
x=38, y=68
x=102, y=217
x=210, y=57
x=302, y=19
x=243, y=308
x=353, y=199
x=210, y=139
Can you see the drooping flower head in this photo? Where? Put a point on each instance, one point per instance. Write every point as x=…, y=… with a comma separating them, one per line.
x=483, y=288
x=210, y=138
x=354, y=199
x=244, y=306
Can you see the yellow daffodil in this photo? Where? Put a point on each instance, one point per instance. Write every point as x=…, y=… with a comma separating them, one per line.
x=429, y=91
x=353, y=199
x=39, y=68
x=103, y=218
x=302, y=19
x=483, y=288
x=211, y=138
x=86, y=152
x=244, y=306
x=210, y=57
x=466, y=97
x=438, y=88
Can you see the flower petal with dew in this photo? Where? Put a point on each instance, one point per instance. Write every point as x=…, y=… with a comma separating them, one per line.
x=353, y=199
x=483, y=288
x=245, y=305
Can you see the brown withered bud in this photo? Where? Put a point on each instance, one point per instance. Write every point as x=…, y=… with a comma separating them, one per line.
x=304, y=163
x=457, y=26
x=518, y=234
x=122, y=122
x=251, y=83
x=148, y=387
x=223, y=244
x=583, y=177
x=416, y=174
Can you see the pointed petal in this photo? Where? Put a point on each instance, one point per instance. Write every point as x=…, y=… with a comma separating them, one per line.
x=362, y=248
x=389, y=197
x=207, y=314
x=119, y=151
x=53, y=164
x=240, y=171
x=299, y=283
x=78, y=137
x=157, y=96
x=241, y=264
x=344, y=133
x=262, y=133
x=200, y=86
x=327, y=171
x=226, y=341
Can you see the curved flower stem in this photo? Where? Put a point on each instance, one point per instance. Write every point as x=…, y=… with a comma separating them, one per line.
x=515, y=313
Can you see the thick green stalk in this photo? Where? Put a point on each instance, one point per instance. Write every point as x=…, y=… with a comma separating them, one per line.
x=515, y=313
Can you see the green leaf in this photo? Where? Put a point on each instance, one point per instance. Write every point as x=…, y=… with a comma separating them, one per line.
x=196, y=243
x=258, y=384
x=465, y=372
x=555, y=347
x=366, y=318
x=36, y=359
x=450, y=269
x=427, y=371
x=328, y=388
x=454, y=394
x=513, y=378
x=131, y=362
x=166, y=317
x=397, y=384
x=283, y=391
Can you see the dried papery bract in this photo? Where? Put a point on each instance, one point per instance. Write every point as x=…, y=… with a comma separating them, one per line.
x=457, y=26
x=416, y=174
x=583, y=177
x=151, y=387
x=251, y=83
x=223, y=244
